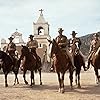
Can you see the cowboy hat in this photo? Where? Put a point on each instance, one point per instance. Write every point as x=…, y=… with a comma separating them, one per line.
x=73, y=33
x=60, y=30
x=11, y=38
x=31, y=36
x=96, y=35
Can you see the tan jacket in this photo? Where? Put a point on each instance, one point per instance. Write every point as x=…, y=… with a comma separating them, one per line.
x=62, y=41
x=32, y=44
x=11, y=47
x=95, y=44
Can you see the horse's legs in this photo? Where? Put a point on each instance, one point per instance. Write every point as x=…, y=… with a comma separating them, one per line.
x=79, y=86
x=97, y=75
x=71, y=77
x=40, y=76
x=59, y=81
x=17, y=81
x=24, y=72
x=16, y=78
x=62, y=83
x=6, y=85
x=76, y=77
x=32, y=78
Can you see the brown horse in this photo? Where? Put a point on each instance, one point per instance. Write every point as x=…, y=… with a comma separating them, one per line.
x=8, y=64
x=62, y=63
x=95, y=62
x=30, y=64
x=78, y=62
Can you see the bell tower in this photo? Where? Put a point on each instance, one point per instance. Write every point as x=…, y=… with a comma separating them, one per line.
x=41, y=34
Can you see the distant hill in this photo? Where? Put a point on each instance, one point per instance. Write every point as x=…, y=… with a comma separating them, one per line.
x=86, y=43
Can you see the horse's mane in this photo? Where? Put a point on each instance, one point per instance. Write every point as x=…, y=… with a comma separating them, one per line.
x=4, y=56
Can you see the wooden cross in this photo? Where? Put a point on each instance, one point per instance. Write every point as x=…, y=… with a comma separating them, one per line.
x=41, y=10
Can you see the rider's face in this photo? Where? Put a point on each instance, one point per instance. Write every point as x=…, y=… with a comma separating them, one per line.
x=60, y=32
x=73, y=35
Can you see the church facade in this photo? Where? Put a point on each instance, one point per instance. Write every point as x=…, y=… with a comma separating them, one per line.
x=17, y=40
x=41, y=34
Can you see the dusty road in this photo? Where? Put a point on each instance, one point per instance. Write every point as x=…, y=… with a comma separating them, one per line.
x=49, y=89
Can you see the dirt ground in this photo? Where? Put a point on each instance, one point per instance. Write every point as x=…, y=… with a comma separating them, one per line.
x=49, y=90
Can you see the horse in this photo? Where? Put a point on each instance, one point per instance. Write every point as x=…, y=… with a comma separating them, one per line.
x=61, y=63
x=8, y=64
x=78, y=62
x=30, y=64
x=95, y=62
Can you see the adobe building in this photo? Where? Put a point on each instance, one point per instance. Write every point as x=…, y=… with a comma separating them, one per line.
x=17, y=40
x=41, y=34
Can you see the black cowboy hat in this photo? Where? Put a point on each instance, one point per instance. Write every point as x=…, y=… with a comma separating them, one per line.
x=73, y=33
x=31, y=36
x=60, y=29
x=96, y=35
x=11, y=38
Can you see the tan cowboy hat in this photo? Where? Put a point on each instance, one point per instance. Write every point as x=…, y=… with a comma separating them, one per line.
x=73, y=33
x=31, y=36
x=11, y=38
x=60, y=30
x=95, y=35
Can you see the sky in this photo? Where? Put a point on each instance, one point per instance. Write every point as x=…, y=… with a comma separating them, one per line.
x=82, y=16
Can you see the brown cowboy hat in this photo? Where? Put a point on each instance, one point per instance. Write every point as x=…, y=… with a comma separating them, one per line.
x=60, y=30
x=95, y=35
x=31, y=36
x=10, y=38
x=73, y=33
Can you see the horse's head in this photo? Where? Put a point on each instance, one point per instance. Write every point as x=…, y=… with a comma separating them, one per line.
x=53, y=47
x=24, y=50
x=75, y=48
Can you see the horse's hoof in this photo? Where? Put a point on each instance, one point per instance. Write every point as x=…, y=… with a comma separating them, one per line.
x=71, y=87
x=97, y=82
x=17, y=82
x=14, y=83
x=62, y=90
x=26, y=82
x=33, y=83
x=40, y=83
x=6, y=85
x=79, y=86
x=59, y=90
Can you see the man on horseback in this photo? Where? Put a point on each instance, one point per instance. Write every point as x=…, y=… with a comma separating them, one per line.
x=11, y=47
x=62, y=42
x=32, y=45
x=95, y=44
x=72, y=45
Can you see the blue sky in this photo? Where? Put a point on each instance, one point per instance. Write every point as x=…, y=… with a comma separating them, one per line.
x=83, y=16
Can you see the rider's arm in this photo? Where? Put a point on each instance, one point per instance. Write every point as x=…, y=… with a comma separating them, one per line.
x=91, y=47
x=79, y=44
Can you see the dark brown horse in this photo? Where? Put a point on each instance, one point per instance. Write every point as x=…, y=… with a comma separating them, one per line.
x=62, y=63
x=8, y=64
x=78, y=63
x=30, y=64
x=95, y=62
